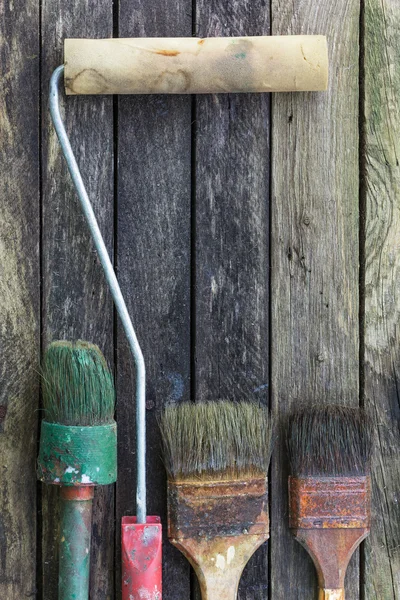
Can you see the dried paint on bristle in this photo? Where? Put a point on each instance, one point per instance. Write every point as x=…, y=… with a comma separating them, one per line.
x=216, y=441
x=78, y=388
x=332, y=441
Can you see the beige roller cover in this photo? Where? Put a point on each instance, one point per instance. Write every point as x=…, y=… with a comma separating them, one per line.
x=196, y=66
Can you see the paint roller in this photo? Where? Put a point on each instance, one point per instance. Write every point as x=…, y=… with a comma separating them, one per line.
x=171, y=66
x=295, y=63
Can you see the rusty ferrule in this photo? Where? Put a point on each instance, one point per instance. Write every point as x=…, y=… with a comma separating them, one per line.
x=217, y=508
x=329, y=502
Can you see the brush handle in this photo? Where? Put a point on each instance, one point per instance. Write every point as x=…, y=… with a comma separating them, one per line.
x=219, y=586
x=218, y=525
x=219, y=562
x=75, y=537
x=337, y=594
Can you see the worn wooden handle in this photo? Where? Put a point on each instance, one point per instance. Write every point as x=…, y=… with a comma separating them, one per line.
x=331, y=550
x=196, y=66
x=337, y=594
x=219, y=562
x=218, y=586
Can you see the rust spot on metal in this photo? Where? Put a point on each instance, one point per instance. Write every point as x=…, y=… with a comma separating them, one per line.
x=81, y=493
x=223, y=508
x=201, y=42
x=166, y=52
x=329, y=502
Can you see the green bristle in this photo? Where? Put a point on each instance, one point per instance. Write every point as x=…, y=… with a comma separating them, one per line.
x=216, y=440
x=78, y=388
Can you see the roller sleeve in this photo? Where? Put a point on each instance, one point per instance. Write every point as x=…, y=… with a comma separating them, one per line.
x=196, y=66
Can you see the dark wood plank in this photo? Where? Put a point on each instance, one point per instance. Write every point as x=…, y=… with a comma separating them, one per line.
x=19, y=295
x=153, y=241
x=382, y=287
x=232, y=240
x=314, y=251
x=76, y=303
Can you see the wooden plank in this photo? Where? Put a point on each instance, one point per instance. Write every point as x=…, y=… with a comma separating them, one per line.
x=314, y=242
x=232, y=241
x=19, y=294
x=76, y=303
x=153, y=241
x=382, y=289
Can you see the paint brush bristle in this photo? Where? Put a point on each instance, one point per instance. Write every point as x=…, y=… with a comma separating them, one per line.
x=78, y=388
x=330, y=441
x=216, y=440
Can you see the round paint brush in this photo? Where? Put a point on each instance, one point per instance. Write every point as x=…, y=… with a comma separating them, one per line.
x=78, y=449
x=330, y=489
x=217, y=456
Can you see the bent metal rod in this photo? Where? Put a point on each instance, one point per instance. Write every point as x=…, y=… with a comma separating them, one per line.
x=292, y=63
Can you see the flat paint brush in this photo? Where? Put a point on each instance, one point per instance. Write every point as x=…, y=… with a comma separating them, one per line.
x=217, y=456
x=330, y=489
x=78, y=450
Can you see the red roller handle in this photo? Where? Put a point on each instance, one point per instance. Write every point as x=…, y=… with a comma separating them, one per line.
x=141, y=559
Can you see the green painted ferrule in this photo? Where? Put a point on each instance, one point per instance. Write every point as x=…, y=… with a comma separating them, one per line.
x=72, y=455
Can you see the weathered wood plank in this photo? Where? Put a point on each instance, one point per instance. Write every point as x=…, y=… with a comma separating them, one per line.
x=232, y=240
x=382, y=289
x=76, y=303
x=19, y=294
x=314, y=241
x=153, y=241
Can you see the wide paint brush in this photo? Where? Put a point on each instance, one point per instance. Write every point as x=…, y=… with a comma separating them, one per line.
x=330, y=489
x=217, y=456
x=78, y=450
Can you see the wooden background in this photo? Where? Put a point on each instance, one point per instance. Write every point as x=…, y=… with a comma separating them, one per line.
x=257, y=241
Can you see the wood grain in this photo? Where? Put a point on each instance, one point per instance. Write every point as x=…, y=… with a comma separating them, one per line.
x=382, y=289
x=314, y=258
x=76, y=303
x=192, y=240
x=153, y=258
x=19, y=295
x=232, y=241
